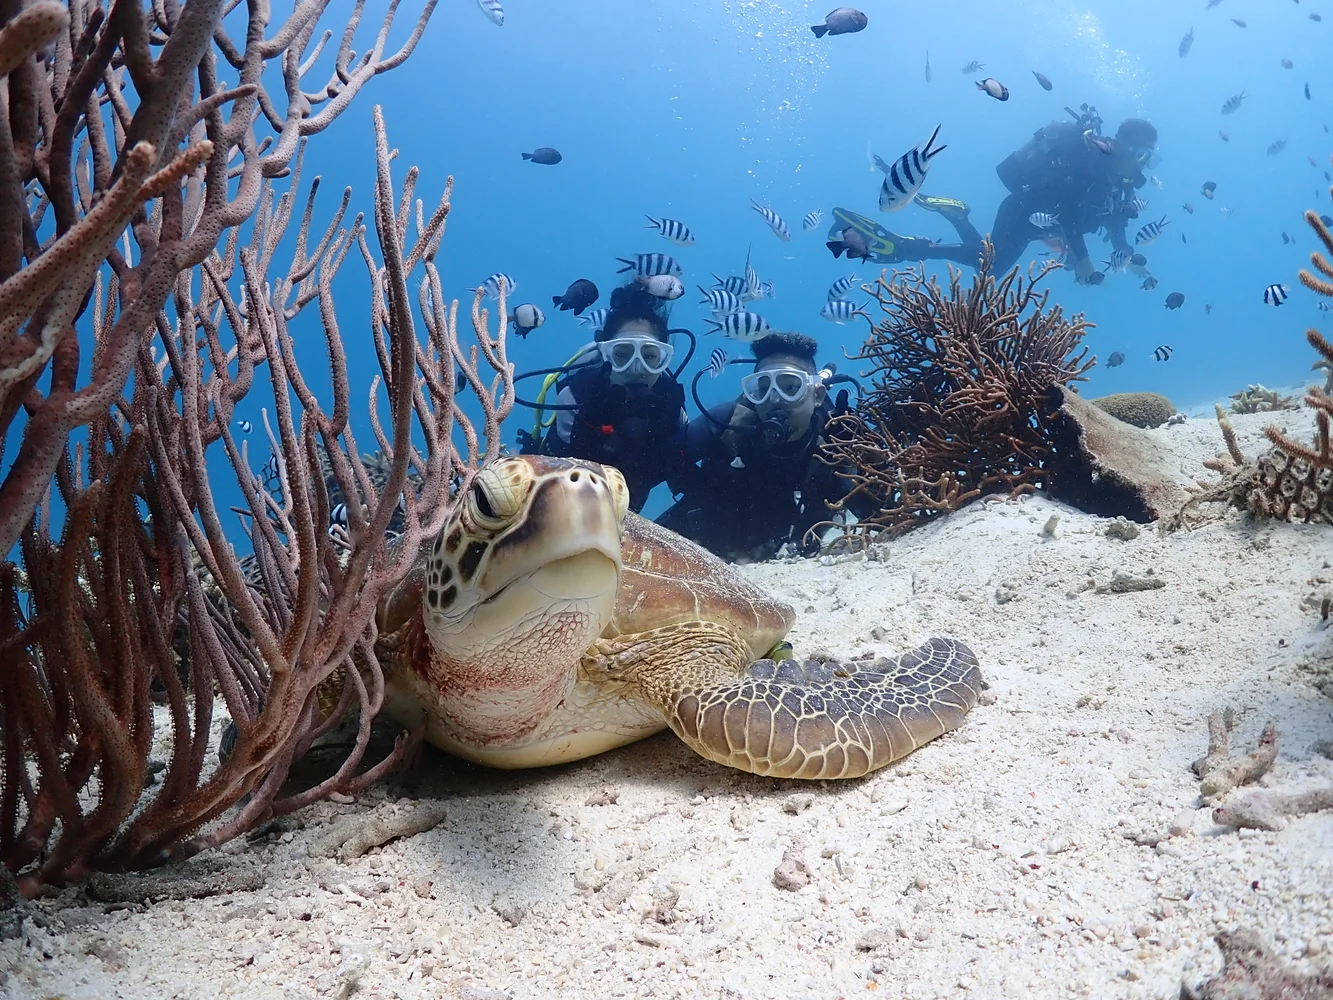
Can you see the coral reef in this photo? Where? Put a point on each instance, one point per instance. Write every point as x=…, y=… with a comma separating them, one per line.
x=960, y=405
x=1291, y=481
x=1257, y=398
x=1142, y=409
x=113, y=546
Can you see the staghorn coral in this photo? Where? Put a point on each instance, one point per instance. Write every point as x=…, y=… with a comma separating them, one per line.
x=1142, y=409
x=961, y=403
x=1260, y=399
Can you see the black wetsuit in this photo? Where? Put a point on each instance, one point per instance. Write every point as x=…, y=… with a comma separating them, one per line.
x=633, y=428
x=744, y=499
x=1059, y=172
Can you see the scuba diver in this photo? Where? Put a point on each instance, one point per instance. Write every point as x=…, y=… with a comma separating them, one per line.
x=617, y=400
x=760, y=482
x=1068, y=172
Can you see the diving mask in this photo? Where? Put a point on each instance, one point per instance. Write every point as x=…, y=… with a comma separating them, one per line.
x=789, y=384
x=646, y=354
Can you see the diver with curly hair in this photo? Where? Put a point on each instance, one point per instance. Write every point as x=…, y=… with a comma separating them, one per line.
x=759, y=482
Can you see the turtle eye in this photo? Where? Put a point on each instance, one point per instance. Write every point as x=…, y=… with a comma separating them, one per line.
x=619, y=490
x=493, y=499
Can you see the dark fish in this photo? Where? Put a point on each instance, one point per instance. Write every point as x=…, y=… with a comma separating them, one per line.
x=1214, y=3
x=973, y=67
x=1182, y=238
x=1277, y=147
x=995, y=88
x=1042, y=79
x=1239, y=23
x=1285, y=239
x=1175, y=300
x=544, y=154
x=1185, y=43
x=928, y=65
x=1162, y=353
x=1208, y=308
x=1116, y=359
x=1288, y=64
x=1188, y=208
x=1326, y=220
x=852, y=242
x=1315, y=17
x=1223, y=135
x=1208, y=188
x=578, y=296
x=1307, y=92
x=841, y=21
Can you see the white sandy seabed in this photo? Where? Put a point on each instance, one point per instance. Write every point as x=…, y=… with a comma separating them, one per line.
x=1005, y=860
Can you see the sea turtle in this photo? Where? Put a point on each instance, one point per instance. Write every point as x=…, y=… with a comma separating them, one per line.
x=546, y=623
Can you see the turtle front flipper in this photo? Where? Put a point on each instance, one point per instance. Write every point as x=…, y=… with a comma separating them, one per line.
x=791, y=720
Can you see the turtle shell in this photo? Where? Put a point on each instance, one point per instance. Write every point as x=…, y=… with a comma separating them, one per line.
x=668, y=580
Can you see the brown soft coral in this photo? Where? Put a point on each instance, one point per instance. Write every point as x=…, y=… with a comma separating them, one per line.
x=962, y=401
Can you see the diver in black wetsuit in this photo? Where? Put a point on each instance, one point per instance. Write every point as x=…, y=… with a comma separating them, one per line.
x=760, y=482
x=625, y=409
x=1067, y=170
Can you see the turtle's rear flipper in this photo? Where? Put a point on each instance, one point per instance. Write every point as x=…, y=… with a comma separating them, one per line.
x=791, y=719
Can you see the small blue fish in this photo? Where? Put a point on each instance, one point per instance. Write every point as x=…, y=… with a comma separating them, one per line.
x=1116, y=359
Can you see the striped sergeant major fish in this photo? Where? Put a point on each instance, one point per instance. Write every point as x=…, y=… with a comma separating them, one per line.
x=1150, y=232
x=721, y=301
x=1118, y=260
x=493, y=10
x=733, y=283
x=841, y=311
x=811, y=220
x=492, y=285
x=744, y=326
x=1044, y=220
x=903, y=177
x=842, y=286
x=717, y=362
x=672, y=230
x=774, y=220
x=595, y=319
x=1232, y=103
x=646, y=265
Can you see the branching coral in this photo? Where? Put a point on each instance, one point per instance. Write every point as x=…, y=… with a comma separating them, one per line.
x=1257, y=398
x=1291, y=481
x=119, y=534
x=961, y=403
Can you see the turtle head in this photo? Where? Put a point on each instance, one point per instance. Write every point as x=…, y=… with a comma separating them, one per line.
x=521, y=580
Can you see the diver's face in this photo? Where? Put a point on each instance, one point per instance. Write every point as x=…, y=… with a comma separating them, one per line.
x=635, y=374
x=799, y=411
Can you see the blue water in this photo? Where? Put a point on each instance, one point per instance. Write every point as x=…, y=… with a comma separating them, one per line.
x=690, y=109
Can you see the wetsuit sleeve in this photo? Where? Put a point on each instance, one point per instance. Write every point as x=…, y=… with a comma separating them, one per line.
x=560, y=435
x=1116, y=231
x=1075, y=246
